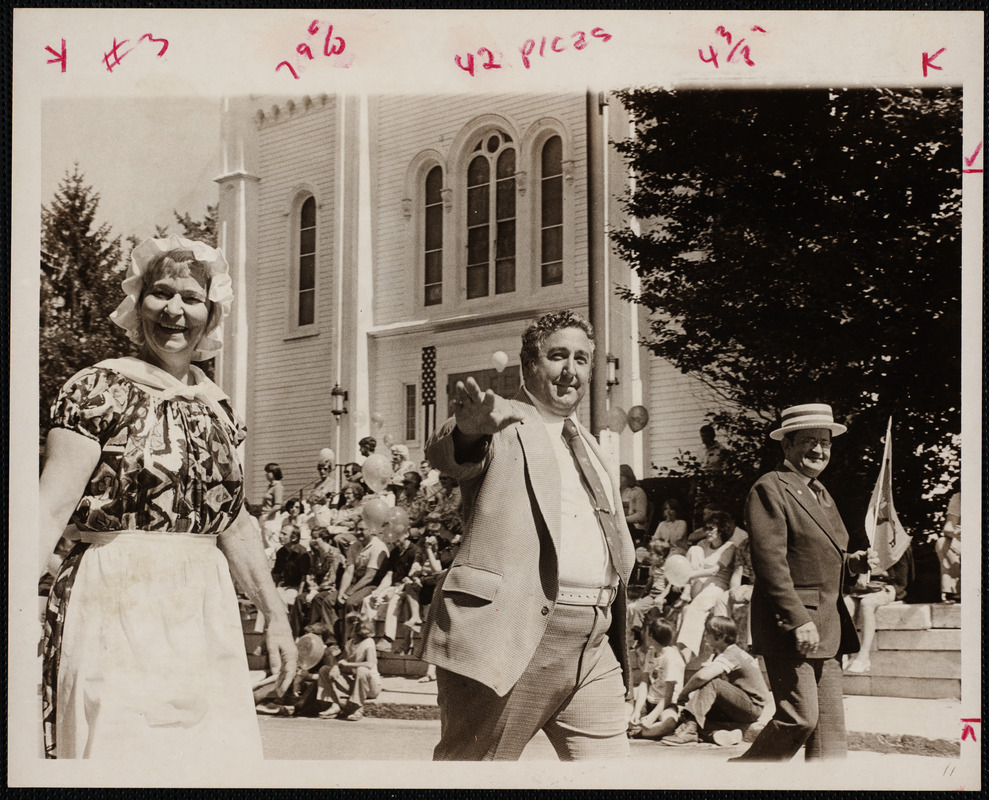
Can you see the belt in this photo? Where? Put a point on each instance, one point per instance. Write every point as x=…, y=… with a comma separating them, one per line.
x=586, y=595
x=105, y=537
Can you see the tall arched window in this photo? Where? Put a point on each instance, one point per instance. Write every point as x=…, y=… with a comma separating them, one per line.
x=306, y=299
x=551, y=212
x=491, y=217
x=433, y=237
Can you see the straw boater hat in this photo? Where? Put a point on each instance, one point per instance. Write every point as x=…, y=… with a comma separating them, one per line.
x=809, y=415
x=311, y=650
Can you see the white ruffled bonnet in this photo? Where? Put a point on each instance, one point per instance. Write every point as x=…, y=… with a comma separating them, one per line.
x=220, y=289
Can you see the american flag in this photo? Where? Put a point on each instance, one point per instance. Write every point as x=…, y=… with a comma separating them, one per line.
x=429, y=389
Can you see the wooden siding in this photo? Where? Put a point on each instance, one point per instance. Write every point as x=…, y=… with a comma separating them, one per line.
x=407, y=126
x=397, y=360
x=677, y=404
x=293, y=376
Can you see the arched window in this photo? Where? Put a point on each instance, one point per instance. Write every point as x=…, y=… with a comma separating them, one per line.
x=551, y=212
x=491, y=217
x=306, y=275
x=433, y=237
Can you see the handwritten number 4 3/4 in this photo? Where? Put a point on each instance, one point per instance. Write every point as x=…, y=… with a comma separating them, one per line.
x=556, y=44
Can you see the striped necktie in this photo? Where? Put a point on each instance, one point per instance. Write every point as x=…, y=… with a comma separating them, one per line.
x=822, y=496
x=595, y=492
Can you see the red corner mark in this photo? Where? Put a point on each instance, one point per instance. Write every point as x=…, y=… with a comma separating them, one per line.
x=928, y=61
x=60, y=58
x=970, y=161
x=968, y=729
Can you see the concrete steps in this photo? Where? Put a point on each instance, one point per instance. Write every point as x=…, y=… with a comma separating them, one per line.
x=916, y=654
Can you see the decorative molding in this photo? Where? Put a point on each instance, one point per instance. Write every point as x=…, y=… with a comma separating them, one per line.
x=407, y=207
x=520, y=184
x=470, y=322
x=236, y=175
x=447, y=195
x=568, y=171
x=290, y=109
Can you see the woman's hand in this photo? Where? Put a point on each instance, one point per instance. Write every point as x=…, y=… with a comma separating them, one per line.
x=283, y=656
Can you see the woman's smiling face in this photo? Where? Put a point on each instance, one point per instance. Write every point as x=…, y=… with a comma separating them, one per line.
x=174, y=314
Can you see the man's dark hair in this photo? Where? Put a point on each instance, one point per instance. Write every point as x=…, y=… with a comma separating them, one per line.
x=274, y=469
x=661, y=632
x=546, y=325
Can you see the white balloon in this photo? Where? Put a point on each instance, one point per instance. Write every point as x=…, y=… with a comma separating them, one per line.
x=677, y=570
x=500, y=359
x=376, y=472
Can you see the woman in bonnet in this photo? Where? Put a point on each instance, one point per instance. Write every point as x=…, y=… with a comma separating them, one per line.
x=143, y=650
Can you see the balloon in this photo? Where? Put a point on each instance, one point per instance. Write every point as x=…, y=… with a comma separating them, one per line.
x=378, y=420
x=637, y=417
x=642, y=554
x=616, y=419
x=375, y=513
x=396, y=526
x=500, y=359
x=389, y=440
x=376, y=471
x=677, y=570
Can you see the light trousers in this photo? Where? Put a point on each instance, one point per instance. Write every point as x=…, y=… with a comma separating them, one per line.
x=572, y=690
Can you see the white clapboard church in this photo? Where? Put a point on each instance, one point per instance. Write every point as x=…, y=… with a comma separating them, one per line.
x=384, y=247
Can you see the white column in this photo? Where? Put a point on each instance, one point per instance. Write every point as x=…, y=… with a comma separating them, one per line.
x=237, y=236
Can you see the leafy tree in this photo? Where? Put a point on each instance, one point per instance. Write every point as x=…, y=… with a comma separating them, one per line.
x=80, y=287
x=801, y=246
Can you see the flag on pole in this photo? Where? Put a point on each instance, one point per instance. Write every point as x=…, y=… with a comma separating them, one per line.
x=429, y=390
x=886, y=535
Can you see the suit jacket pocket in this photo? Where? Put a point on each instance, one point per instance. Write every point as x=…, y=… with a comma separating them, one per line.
x=810, y=596
x=477, y=582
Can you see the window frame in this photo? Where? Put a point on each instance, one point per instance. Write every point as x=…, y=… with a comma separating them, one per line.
x=293, y=326
x=478, y=148
x=540, y=134
x=410, y=410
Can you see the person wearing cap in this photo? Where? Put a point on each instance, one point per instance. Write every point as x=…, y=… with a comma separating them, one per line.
x=143, y=645
x=527, y=628
x=800, y=624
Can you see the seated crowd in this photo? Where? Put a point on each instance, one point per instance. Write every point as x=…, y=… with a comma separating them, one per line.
x=692, y=600
x=356, y=569
x=690, y=611
x=353, y=567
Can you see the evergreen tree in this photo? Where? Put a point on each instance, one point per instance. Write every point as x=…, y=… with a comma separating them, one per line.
x=80, y=286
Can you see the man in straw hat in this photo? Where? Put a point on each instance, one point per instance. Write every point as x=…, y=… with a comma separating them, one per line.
x=800, y=624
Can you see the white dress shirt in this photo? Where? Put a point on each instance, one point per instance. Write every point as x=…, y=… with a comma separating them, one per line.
x=583, y=557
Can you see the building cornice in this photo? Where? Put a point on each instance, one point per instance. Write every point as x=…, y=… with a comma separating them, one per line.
x=459, y=322
x=236, y=175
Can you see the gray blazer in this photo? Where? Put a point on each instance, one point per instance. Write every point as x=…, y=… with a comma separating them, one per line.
x=491, y=608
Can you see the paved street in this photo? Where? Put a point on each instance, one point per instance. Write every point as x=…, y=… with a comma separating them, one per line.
x=408, y=740
x=652, y=764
